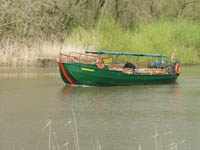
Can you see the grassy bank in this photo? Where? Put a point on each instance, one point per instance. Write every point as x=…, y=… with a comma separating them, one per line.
x=161, y=37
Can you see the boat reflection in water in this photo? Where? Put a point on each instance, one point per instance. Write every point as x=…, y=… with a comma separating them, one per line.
x=123, y=114
x=146, y=95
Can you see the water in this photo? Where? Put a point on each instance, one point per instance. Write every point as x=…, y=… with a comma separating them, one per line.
x=107, y=118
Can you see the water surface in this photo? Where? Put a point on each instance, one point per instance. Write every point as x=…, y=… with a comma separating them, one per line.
x=108, y=118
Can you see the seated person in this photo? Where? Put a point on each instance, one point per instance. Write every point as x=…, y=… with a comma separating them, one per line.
x=129, y=65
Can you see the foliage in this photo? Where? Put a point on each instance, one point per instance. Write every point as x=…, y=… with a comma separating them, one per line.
x=164, y=36
x=56, y=18
x=149, y=26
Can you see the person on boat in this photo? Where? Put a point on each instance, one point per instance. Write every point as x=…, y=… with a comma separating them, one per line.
x=129, y=65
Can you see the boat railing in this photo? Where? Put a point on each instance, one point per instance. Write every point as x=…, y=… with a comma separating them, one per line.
x=152, y=67
x=75, y=57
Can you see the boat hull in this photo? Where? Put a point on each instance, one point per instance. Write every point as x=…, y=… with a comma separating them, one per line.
x=83, y=74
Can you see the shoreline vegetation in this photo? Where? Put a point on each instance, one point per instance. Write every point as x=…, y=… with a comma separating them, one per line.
x=33, y=32
x=31, y=52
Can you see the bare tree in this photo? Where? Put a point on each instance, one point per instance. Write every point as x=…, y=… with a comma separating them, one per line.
x=183, y=4
x=117, y=9
x=101, y=4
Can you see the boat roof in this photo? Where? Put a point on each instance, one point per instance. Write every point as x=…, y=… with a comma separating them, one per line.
x=125, y=53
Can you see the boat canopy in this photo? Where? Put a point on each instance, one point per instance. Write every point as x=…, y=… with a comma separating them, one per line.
x=125, y=53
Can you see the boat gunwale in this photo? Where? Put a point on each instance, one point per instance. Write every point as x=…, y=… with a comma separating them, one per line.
x=90, y=67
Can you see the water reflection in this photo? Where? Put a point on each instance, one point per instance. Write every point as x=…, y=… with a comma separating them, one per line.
x=128, y=114
x=140, y=99
x=65, y=92
x=121, y=92
x=120, y=117
x=175, y=100
x=27, y=73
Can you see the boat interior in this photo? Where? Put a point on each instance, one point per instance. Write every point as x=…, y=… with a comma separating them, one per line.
x=131, y=65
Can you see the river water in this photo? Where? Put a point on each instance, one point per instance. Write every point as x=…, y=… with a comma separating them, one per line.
x=143, y=117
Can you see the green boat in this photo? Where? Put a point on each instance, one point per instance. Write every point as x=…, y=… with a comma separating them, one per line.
x=102, y=68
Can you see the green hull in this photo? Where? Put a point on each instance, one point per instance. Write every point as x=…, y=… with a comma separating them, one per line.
x=83, y=74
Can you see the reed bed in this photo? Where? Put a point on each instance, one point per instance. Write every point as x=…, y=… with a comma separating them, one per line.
x=33, y=52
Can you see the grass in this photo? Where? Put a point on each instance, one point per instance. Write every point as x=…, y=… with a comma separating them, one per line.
x=162, y=37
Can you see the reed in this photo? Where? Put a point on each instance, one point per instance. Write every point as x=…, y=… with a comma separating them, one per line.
x=48, y=125
x=31, y=52
x=162, y=140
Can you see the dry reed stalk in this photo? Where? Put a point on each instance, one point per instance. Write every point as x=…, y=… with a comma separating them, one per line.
x=140, y=147
x=69, y=122
x=48, y=125
x=76, y=138
x=155, y=137
x=29, y=52
x=98, y=146
x=56, y=141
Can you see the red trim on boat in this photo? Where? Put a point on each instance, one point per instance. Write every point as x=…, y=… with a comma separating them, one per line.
x=64, y=72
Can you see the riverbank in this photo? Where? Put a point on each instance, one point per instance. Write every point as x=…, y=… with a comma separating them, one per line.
x=160, y=37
